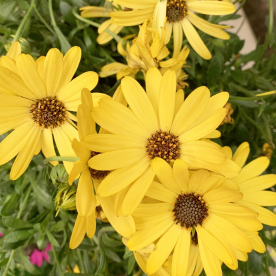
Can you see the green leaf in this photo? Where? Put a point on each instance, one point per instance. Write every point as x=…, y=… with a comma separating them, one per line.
x=15, y=223
x=102, y=262
x=10, y=204
x=112, y=255
x=131, y=264
x=10, y=246
x=110, y=242
x=28, y=266
x=57, y=227
x=214, y=72
x=255, y=263
x=65, y=45
x=262, y=107
x=18, y=235
x=51, y=238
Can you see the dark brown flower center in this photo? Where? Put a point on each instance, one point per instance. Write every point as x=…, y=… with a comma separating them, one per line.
x=95, y=173
x=48, y=112
x=176, y=10
x=164, y=145
x=190, y=210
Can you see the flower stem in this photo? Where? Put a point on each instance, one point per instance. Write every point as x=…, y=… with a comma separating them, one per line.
x=23, y=22
x=8, y=264
x=266, y=264
x=61, y=158
x=57, y=262
x=43, y=21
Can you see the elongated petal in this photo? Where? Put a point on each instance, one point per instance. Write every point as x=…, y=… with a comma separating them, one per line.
x=167, y=100
x=152, y=209
x=191, y=109
x=146, y=236
x=91, y=225
x=25, y=156
x=78, y=232
x=52, y=71
x=137, y=191
x=121, y=178
x=86, y=124
x=14, y=51
x=29, y=74
x=198, y=180
x=181, y=175
x=211, y=7
x=222, y=195
x=264, y=198
x=258, y=183
x=195, y=40
x=139, y=103
x=47, y=145
x=163, y=249
x=241, y=154
x=181, y=253
x=253, y=169
x=143, y=4
x=164, y=173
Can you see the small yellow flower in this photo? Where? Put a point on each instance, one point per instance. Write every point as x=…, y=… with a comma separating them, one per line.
x=158, y=123
x=146, y=51
x=176, y=16
x=36, y=98
x=91, y=11
x=192, y=209
x=267, y=150
x=87, y=201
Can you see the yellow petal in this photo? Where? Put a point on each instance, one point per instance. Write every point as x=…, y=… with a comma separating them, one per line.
x=159, y=192
x=9, y=63
x=163, y=249
x=85, y=197
x=14, y=50
x=91, y=225
x=142, y=4
x=111, y=142
x=181, y=175
x=211, y=7
x=258, y=183
x=78, y=232
x=179, y=100
x=195, y=40
x=52, y=71
x=197, y=180
x=29, y=74
x=116, y=159
x=181, y=253
x=265, y=198
x=152, y=209
x=47, y=145
x=222, y=195
x=167, y=100
x=146, y=236
x=121, y=178
x=177, y=38
x=71, y=62
x=123, y=225
x=137, y=191
x=227, y=151
x=164, y=173
x=25, y=156
x=191, y=109
x=40, y=65
x=241, y=154
x=139, y=103
x=78, y=167
x=253, y=169
x=86, y=124
x=258, y=244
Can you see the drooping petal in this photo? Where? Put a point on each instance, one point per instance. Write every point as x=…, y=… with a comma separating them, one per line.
x=78, y=232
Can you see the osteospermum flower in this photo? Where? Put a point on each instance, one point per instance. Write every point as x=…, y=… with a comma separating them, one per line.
x=86, y=199
x=196, y=210
x=146, y=51
x=253, y=185
x=176, y=15
x=36, y=102
x=91, y=11
x=158, y=123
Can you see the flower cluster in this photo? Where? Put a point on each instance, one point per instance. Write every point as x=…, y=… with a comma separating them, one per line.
x=181, y=202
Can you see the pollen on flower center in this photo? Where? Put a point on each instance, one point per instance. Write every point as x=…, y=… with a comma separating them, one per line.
x=176, y=10
x=48, y=112
x=190, y=210
x=164, y=145
x=95, y=173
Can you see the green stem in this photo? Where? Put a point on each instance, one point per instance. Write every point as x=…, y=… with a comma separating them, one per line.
x=103, y=230
x=8, y=264
x=80, y=261
x=268, y=131
x=43, y=21
x=53, y=21
x=23, y=22
x=57, y=262
x=61, y=158
x=244, y=98
x=18, y=216
x=116, y=37
x=266, y=264
x=269, y=32
x=242, y=90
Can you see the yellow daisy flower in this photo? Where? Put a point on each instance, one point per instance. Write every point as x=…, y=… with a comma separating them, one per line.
x=91, y=11
x=253, y=185
x=36, y=102
x=86, y=199
x=176, y=15
x=158, y=123
x=8, y=60
x=146, y=51
x=197, y=210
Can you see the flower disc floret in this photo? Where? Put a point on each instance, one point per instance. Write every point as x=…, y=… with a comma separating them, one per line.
x=164, y=145
x=190, y=210
x=176, y=10
x=48, y=112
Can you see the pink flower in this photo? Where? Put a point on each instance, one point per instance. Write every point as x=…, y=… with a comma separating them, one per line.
x=1, y=235
x=37, y=256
